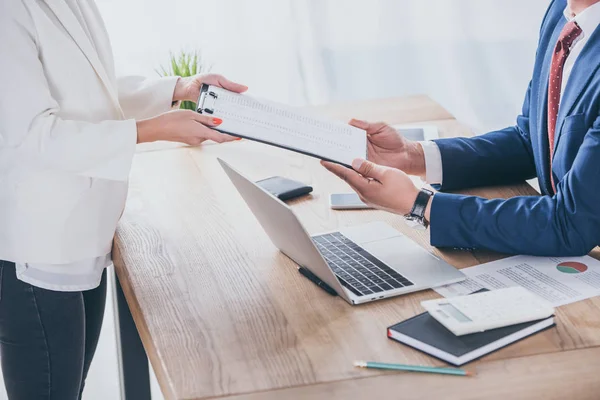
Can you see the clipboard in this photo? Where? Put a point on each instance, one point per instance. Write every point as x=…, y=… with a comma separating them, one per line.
x=282, y=126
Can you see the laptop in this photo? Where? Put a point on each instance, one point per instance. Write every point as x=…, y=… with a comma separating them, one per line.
x=360, y=264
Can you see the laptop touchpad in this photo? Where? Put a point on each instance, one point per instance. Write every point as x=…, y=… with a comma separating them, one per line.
x=404, y=255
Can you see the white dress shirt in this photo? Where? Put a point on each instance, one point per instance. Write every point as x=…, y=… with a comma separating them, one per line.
x=65, y=157
x=588, y=20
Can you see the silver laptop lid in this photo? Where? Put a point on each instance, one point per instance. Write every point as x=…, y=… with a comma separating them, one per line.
x=283, y=227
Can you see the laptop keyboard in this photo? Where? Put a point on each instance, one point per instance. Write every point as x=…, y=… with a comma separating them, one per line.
x=357, y=269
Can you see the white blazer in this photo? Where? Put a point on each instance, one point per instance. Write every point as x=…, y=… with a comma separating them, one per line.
x=67, y=133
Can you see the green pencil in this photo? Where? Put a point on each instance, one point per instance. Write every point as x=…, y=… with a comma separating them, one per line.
x=414, y=368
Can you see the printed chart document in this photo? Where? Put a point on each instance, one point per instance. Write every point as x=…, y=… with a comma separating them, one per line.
x=558, y=280
x=283, y=126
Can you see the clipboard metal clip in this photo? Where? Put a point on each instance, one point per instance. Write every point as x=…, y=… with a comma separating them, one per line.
x=206, y=101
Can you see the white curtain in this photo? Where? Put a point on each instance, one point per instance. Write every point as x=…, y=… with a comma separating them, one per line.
x=473, y=56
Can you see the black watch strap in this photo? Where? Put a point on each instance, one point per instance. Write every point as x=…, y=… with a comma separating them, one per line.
x=418, y=210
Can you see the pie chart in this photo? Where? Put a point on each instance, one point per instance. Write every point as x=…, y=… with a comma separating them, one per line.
x=571, y=267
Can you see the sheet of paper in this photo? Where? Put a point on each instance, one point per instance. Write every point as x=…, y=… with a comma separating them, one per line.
x=558, y=280
x=288, y=127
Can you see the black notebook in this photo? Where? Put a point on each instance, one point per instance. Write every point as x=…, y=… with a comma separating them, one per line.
x=425, y=334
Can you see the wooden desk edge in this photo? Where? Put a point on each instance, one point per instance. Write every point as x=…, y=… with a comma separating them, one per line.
x=546, y=373
x=140, y=323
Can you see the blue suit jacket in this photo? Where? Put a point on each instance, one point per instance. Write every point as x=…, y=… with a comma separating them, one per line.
x=564, y=224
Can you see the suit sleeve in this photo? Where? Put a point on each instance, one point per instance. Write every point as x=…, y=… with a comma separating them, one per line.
x=500, y=157
x=32, y=129
x=567, y=224
x=142, y=97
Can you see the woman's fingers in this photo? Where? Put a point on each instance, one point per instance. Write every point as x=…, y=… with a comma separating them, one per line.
x=206, y=119
x=234, y=87
x=221, y=137
x=205, y=123
x=220, y=80
x=194, y=141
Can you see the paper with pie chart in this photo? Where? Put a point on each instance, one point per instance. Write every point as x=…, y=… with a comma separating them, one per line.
x=558, y=280
x=571, y=267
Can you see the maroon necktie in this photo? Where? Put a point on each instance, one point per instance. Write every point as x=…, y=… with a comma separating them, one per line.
x=563, y=47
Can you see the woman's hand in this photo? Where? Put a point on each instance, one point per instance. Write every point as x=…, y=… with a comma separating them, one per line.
x=381, y=187
x=385, y=146
x=188, y=89
x=183, y=126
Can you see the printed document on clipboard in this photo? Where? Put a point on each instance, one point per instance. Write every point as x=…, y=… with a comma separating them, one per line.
x=283, y=126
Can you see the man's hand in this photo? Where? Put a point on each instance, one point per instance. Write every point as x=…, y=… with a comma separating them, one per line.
x=189, y=88
x=385, y=146
x=381, y=187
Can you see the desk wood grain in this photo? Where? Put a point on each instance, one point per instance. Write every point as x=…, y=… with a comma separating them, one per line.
x=221, y=312
x=555, y=376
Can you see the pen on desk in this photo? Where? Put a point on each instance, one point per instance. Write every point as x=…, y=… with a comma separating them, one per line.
x=414, y=368
x=315, y=279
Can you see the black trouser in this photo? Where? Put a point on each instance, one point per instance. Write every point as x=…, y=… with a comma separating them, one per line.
x=47, y=338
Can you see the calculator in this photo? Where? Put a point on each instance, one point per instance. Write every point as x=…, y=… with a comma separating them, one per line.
x=488, y=310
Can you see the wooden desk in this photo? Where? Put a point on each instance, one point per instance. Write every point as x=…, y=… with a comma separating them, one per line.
x=222, y=313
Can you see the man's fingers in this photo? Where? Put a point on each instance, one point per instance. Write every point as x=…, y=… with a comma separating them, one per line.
x=354, y=179
x=376, y=127
x=370, y=127
x=359, y=123
x=336, y=169
x=368, y=169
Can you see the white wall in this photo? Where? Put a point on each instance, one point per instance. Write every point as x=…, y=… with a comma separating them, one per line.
x=474, y=56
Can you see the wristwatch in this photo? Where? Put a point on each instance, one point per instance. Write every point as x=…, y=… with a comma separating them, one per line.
x=417, y=213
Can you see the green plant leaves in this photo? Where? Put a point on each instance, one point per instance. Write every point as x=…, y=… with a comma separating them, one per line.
x=184, y=64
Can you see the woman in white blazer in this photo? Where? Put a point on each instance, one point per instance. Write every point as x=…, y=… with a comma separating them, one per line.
x=68, y=132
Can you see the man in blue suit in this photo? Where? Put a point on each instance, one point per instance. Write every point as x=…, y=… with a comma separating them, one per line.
x=556, y=138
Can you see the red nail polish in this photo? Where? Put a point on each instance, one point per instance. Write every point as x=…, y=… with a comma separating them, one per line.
x=217, y=121
x=239, y=138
